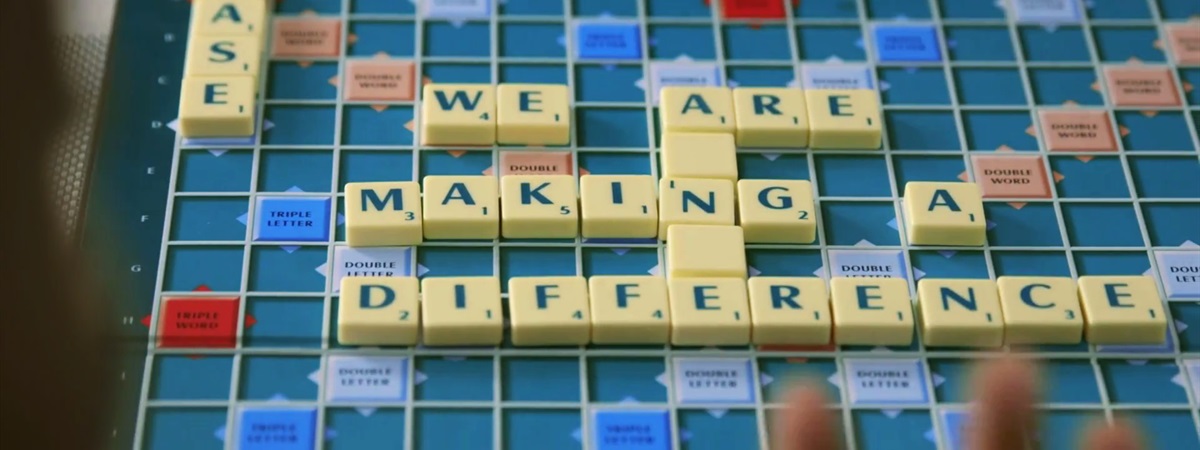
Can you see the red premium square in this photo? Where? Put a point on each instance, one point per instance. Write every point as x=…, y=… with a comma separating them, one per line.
x=753, y=9
x=198, y=322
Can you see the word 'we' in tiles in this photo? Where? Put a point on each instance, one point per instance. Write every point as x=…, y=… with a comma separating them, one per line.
x=719, y=309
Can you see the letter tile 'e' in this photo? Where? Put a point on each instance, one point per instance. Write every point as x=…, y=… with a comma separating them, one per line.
x=777, y=211
x=533, y=114
x=378, y=311
x=458, y=114
x=549, y=311
x=705, y=109
x=217, y=106
x=843, y=119
x=618, y=206
x=944, y=213
x=1040, y=310
x=771, y=117
x=461, y=311
x=871, y=311
x=461, y=207
x=539, y=206
x=709, y=311
x=629, y=309
x=693, y=201
x=1122, y=310
x=790, y=310
x=960, y=313
x=381, y=214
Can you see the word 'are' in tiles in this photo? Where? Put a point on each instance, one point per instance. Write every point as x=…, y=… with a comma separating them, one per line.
x=733, y=310
x=484, y=114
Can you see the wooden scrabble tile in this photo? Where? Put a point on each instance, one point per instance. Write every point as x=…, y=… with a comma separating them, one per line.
x=843, y=119
x=539, y=206
x=1040, y=310
x=458, y=114
x=211, y=106
x=705, y=251
x=223, y=55
x=619, y=206
x=1184, y=42
x=462, y=311
x=1011, y=176
x=548, y=311
x=379, y=80
x=383, y=214
x=1141, y=86
x=306, y=37
x=533, y=114
x=777, y=211
x=1077, y=130
x=629, y=310
x=709, y=311
x=229, y=18
x=871, y=311
x=789, y=311
x=960, y=313
x=699, y=155
x=696, y=108
x=693, y=201
x=771, y=117
x=461, y=207
x=1122, y=310
x=378, y=311
x=944, y=213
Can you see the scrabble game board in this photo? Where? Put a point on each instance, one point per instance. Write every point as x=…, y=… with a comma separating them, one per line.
x=1028, y=98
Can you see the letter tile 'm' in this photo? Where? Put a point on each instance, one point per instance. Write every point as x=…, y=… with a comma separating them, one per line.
x=619, y=206
x=696, y=108
x=229, y=18
x=699, y=155
x=960, y=313
x=1122, y=310
x=692, y=201
x=944, y=213
x=790, y=310
x=533, y=114
x=1040, y=310
x=378, y=311
x=458, y=114
x=383, y=214
x=549, y=311
x=461, y=311
x=771, y=117
x=871, y=311
x=777, y=211
x=709, y=311
x=539, y=206
x=223, y=55
x=211, y=106
x=461, y=207
x=706, y=251
x=843, y=119
x=629, y=309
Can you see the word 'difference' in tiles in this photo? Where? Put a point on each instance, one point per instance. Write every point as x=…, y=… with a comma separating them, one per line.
x=790, y=310
x=1040, y=310
x=1122, y=310
x=709, y=311
x=461, y=311
x=960, y=313
x=549, y=310
x=629, y=310
x=378, y=311
x=871, y=311
x=944, y=213
x=458, y=114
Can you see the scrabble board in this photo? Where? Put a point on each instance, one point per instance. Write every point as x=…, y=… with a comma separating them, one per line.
x=1078, y=119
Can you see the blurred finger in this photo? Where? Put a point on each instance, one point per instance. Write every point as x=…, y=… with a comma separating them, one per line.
x=1003, y=417
x=805, y=424
x=1118, y=436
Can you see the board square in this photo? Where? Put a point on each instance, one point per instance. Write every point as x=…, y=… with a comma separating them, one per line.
x=369, y=378
x=713, y=380
x=868, y=263
x=681, y=74
x=836, y=76
x=278, y=429
x=291, y=219
x=907, y=43
x=1141, y=86
x=1179, y=271
x=631, y=430
x=307, y=37
x=1184, y=40
x=607, y=40
x=900, y=381
x=1011, y=176
x=370, y=262
x=380, y=80
x=753, y=9
x=1077, y=130
x=457, y=9
x=1046, y=11
x=198, y=322
x=534, y=163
